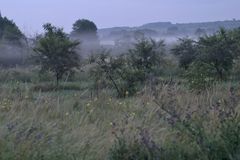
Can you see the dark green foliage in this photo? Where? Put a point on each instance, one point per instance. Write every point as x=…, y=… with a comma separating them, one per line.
x=128, y=71
x=186, y=51
x=218, y=51
x=85, y=31
x=84, y=26
x=9, y=31
x=212, y=58
x=200, y=75
x=147, y=56
x=56, y=52
x=108, y=68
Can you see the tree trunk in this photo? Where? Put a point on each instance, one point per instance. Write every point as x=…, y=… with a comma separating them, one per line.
x=114, y=83
x=220, y=73
x=57, y=79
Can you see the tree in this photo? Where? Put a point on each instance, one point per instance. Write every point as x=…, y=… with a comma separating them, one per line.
x=84, y=26
x=147, y=55
x=109, y=69
x=218, y=51
x=85, y=31
x=214, y=59
x=126, y=72
x=186, y=51
x=200, y=75
x=56, y=52
x=9, y=30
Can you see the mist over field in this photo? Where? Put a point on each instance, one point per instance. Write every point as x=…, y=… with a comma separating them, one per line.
x=120, y=80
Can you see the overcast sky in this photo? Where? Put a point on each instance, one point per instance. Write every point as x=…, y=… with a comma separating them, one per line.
x=29, y=15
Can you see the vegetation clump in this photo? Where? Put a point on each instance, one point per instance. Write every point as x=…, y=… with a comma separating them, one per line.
x=56, y=52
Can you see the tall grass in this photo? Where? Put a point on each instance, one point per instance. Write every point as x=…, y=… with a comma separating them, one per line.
x=169, y=122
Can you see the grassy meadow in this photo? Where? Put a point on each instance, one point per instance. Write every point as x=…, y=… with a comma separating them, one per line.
x=74, y=123
x=152, y=101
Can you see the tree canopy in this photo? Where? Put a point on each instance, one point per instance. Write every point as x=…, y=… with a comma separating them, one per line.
x=9, y=30
x=186, y=51
x=84, y=26
x=56, y=52
x=218, y=50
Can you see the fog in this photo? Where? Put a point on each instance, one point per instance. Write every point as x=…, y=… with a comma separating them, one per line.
x=119, y=22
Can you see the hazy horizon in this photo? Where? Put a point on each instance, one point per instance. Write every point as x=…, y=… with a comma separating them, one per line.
x=30, y=15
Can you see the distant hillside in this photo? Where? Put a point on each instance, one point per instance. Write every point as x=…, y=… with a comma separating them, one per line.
x=166, y=29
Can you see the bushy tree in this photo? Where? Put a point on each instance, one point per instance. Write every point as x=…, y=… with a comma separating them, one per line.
x=56, y=52
x=9, y=30
x=218, y=51
x=85, y=31
x=147, y=55
x=111, y=69
x=84, y=26
x=186, y=51
x=200, y=75
x=215, y=58
x=128, y=71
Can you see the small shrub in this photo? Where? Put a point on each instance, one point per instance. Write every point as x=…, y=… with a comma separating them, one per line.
x=200, y=76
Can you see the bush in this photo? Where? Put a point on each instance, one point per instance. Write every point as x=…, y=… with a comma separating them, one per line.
x=128, y=71
x=200, y=76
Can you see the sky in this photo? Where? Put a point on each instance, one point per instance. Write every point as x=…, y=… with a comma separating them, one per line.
x=30, y=15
